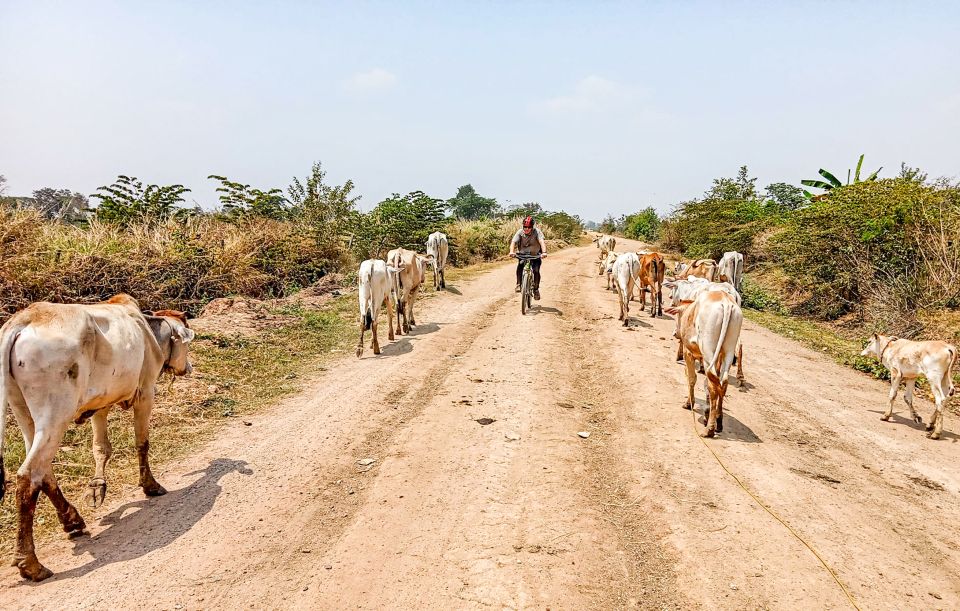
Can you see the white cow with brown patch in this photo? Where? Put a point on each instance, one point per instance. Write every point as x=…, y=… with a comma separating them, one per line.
x=907, y=360
x=63, y=363
x=412, y=274
x=701, y=268
x=709, y=331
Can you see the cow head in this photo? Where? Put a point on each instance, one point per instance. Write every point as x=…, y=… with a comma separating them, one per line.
x=877, y=344
x=174, y=336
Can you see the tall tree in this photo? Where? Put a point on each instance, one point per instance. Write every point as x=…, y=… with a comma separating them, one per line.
x=786, y=197
x=470, y=205
x=128, y=200
x=740, y=188
x=61, y=204
x=239, y=200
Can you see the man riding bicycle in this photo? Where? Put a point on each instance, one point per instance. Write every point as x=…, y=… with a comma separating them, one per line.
x=529, y=241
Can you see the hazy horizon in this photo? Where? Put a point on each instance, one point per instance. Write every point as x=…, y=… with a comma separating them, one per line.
x=589, y=108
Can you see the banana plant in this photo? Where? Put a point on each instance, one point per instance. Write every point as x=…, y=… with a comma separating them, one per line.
x=832, y=182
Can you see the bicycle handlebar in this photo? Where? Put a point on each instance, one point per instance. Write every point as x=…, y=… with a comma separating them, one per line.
x=521, y=256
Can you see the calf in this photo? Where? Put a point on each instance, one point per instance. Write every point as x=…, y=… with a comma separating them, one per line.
x=67, y=362
x=730, y=269
x=625, y=271
x=413, y=271
x=438, y=248
x=652, y=270
x=702, y=268
x=908, y=359
x=709, y=330
x=377, y=282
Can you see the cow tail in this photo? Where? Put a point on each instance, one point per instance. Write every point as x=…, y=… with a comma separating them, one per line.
x=366, y=306
x=727, y=309
x=7, y=338
x=953, y=361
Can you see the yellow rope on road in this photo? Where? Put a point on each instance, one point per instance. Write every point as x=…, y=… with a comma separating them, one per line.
x=776, y=517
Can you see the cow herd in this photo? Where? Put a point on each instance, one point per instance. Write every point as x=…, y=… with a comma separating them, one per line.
x=707, y=304
x=396, y=282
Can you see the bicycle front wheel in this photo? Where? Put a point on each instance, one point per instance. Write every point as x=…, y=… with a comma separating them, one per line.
x=525, y=291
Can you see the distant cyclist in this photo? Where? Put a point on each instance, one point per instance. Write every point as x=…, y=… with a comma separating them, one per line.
x=529, y=241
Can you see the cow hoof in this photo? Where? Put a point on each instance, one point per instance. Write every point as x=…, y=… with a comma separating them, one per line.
x=719, y=425
x=686, y=405
x=708, y=433
x=77, y=532
x=154, y=489
x=933, y=435
x=359, y=352
x=97, y=492
x=918, y=419
x=30, y=568
x=885, y=417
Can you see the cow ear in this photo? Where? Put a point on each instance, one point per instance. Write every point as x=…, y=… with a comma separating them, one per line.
x=186, y=334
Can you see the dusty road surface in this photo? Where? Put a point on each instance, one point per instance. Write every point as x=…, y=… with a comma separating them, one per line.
x=522, y=512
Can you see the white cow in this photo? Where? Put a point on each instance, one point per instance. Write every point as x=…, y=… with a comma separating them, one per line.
x=66, y=362
x=377, y=284
x=606, y=243
x=906, y=360
x=626, y=270
x=438, y=247
x=709, y=332
x=413, y=272
x=730, y=269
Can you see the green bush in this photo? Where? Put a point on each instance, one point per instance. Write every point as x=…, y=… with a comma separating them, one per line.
x=757, y=298
x=644, y=225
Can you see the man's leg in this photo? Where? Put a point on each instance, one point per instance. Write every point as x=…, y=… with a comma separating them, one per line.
x=519, y=275
x=536, y=278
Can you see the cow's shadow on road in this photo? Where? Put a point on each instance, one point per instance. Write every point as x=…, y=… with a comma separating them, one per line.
x=922, y=427
x=140, y=527
x=452, y=289
x=733, y=429
x=404, y=343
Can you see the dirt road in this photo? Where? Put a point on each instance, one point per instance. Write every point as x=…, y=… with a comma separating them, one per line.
x=522, y=512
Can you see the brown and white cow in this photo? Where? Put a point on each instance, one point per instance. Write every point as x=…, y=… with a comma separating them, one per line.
x=701, y=268
x=908, y=359
x=413, y=272
x=62, y=363
x=710, y=329
x=652, y=270
x=687, y=290
x=377, y=284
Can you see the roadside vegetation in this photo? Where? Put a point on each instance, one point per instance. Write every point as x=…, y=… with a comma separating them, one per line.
x=872, y=254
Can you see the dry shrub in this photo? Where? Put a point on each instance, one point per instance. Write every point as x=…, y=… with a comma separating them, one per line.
x=488, y=239
x=175, y=264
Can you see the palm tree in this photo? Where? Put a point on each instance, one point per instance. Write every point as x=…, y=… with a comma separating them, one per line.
x=832, y=182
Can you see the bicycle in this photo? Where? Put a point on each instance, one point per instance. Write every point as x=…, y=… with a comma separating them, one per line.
x=526, y=284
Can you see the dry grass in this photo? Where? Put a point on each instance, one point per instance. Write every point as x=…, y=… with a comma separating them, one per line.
x=172, y=265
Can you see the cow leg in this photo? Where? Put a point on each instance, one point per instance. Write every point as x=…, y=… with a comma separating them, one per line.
x=102, y=450
x=908, y=399
x=363, y=327
x=390, y=335
x=723, y=393
x=713, y=393
x=68, y=515
x=740, y=378
x=34, y=470
x=691, y=379
x=894, y=387
x=141, y=425
x=413, y=297
x=443, y=280
x=375, y=344
x=940, y=397
x=679, y=350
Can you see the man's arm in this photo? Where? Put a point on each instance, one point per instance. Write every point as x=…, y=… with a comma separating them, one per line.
x=513, y=245
x=543, y=243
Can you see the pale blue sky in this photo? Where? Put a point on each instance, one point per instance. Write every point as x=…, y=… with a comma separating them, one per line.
x=592, y=107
